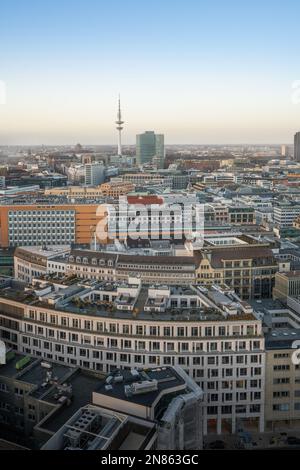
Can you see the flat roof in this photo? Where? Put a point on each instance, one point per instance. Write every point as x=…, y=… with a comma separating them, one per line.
x=36, y=374
x=289, y=273
x=83, y=384
x=47, y=251
x=167, y=378
x=267, y=304
x=282, y=339
x=9, y=369
x=94, y=309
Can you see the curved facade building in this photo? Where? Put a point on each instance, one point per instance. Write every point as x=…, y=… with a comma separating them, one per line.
x=106, y=326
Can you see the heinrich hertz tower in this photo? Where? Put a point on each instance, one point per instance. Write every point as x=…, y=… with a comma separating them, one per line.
x=119, y=123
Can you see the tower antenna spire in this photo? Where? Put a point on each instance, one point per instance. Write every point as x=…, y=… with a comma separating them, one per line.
x=119, y=123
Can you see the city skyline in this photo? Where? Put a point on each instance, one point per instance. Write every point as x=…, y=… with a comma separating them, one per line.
x=192, y=71
x=149, y=229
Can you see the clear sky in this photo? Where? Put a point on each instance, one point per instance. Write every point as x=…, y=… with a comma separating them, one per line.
x=200, y=71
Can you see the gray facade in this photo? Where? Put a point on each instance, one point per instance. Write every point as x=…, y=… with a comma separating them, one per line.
x=297, y=147
x=148, y=146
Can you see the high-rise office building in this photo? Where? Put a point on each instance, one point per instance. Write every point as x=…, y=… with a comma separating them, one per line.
x=297, y=147
x=94, y=173
x=148, y=146
x=284, y=150
x=28, y=224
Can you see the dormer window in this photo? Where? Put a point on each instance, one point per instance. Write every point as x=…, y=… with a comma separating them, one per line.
x=78, y=259
x=102, y=262
x=71, y=259
x=85, y=260
x=94, y=261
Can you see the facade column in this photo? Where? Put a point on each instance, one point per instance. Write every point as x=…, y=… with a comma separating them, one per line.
x=233, y=424
x=261, y=423
x=219, y=423
x=204, y=418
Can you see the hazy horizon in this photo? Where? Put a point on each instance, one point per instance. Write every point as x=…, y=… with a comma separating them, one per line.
x=167, y=144
x=194, y=71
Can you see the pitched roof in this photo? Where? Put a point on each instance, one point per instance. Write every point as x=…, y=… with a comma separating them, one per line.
x=99, y=255
x=159, y=260
x=256, y=253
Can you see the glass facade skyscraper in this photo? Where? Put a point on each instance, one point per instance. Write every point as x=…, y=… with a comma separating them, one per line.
x=297, y=147
x=148, y=146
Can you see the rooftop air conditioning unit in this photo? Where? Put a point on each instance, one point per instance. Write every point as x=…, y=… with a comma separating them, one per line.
x=146, y=386
x=46, y=365
x=118, y=378
x=134, y=373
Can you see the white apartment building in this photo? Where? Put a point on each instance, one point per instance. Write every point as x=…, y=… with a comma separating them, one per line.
x=94, y=173
x=144, y=179
x=107, y=266
x=285, y=214
x=36, y=261
x=220, y=346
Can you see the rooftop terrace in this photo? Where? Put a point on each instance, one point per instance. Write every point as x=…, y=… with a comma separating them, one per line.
x=213, y=304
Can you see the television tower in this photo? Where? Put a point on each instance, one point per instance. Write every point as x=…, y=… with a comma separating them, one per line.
x=119, y=123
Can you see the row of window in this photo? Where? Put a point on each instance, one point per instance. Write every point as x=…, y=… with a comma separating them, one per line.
x=285, y=394
x=286, y=407
x=235, y=397
x=228, y=409
x=141, y=346
x=13, y=214
x=144, y=330
x=124, y=361
x=94, y=261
